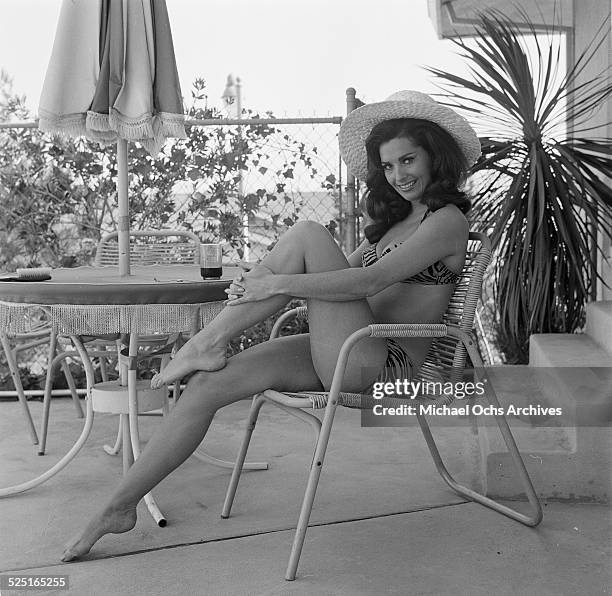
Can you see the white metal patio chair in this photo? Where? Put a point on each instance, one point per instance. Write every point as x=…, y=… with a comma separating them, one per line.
x=151, y=247
x=14, y=344
x=147, y=247
x=446, y=360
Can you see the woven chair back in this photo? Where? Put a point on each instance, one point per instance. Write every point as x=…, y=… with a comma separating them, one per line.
x=446, y=359
x=151, y=247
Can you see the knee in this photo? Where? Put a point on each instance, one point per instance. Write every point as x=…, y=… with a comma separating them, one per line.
x=310, y=229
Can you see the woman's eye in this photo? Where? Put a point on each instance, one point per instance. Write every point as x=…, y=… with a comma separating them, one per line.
x=408, y=159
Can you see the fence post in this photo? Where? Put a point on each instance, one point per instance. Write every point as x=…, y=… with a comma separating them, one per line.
x=246, y=233
x=350, y=237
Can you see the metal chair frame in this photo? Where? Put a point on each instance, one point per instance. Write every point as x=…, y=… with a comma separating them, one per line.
x=20, y=342
x=453, y=342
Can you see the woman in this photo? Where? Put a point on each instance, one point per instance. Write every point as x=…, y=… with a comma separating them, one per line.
x=414, y=154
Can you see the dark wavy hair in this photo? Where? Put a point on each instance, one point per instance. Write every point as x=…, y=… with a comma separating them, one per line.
x=448, y=172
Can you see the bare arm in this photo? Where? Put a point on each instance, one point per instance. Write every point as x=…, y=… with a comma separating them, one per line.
x=354, y=258
x=442, y=234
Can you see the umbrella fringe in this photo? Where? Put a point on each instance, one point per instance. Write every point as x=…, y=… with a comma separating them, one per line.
x=130, y=129
x=98, y=122
x=168, y=124
x=89, y=70
x=73, y=126
x=151, y=132
x=70, y=124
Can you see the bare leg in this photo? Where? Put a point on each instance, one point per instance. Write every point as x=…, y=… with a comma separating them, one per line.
x=183, y=430
x=306, y=248
x=290, y=364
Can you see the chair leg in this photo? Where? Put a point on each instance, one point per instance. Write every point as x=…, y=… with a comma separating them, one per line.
x=73, y=389
x=309, y=419
x=529, y=520
x=221, y=463
x=256, y=404
x=14, y=370
x=55, y=357
x=53, y=360
x=103, y=369
x=311, y=488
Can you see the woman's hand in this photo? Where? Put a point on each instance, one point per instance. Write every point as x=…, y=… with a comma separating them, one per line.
x=255, y=282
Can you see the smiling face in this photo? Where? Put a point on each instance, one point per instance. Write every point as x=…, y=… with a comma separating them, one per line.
x=407, y=167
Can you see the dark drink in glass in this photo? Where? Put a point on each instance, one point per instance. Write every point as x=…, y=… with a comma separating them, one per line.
x=211, y=272
x=211, y=261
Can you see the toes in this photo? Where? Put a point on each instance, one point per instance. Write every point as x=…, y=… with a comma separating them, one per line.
x=69, y=555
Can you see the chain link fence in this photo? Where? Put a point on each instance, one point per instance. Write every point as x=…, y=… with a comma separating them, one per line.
x=242, y=182
x=290, y=170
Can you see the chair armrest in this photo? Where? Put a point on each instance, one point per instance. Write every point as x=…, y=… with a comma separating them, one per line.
x=40, y=330
x=31, y=344
x=376, y=329
x=426, y=330
x=396, y=330
x=392, y=330
x=300, y=311
x=409, y=330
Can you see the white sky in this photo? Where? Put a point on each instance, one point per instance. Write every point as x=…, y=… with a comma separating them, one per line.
x=295, y=57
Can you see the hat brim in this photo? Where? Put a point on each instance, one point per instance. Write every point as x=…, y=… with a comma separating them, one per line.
x=357, y=126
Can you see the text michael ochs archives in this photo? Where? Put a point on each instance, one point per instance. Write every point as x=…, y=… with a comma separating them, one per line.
x=404, y=389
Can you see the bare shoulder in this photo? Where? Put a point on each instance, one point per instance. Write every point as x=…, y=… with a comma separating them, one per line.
x=449, y=219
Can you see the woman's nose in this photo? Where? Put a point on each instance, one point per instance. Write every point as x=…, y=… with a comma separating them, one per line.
x=399, y=173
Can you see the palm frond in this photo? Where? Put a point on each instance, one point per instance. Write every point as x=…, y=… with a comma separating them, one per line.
x=538, y=188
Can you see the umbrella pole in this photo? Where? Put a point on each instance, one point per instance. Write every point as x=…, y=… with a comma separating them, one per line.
x=124, y=207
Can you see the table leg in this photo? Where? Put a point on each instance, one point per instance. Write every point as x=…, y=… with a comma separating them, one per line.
x=131, y=438
x=62, y=463
x=128, y=454
x=114, y=450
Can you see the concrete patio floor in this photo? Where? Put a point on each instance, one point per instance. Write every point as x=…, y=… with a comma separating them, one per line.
x=383, y=522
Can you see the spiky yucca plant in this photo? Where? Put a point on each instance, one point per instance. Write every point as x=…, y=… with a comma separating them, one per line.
x=539, y=188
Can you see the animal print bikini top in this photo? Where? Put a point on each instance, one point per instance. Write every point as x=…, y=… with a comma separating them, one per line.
x=436, y=274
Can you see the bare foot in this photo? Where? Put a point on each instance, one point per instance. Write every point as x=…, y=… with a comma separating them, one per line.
x=110, y=521
x=188, y=360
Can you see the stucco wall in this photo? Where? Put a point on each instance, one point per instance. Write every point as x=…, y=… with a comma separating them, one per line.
x=589, y=16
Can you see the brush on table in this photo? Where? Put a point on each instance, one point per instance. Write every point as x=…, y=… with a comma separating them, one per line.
x=30, y=274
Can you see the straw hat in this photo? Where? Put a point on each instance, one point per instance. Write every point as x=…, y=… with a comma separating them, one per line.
x=404, y=104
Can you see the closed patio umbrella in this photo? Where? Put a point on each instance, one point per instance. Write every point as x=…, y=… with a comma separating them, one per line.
x=112, y=77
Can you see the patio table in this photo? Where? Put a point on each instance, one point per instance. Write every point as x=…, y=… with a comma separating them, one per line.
x=96, y=301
